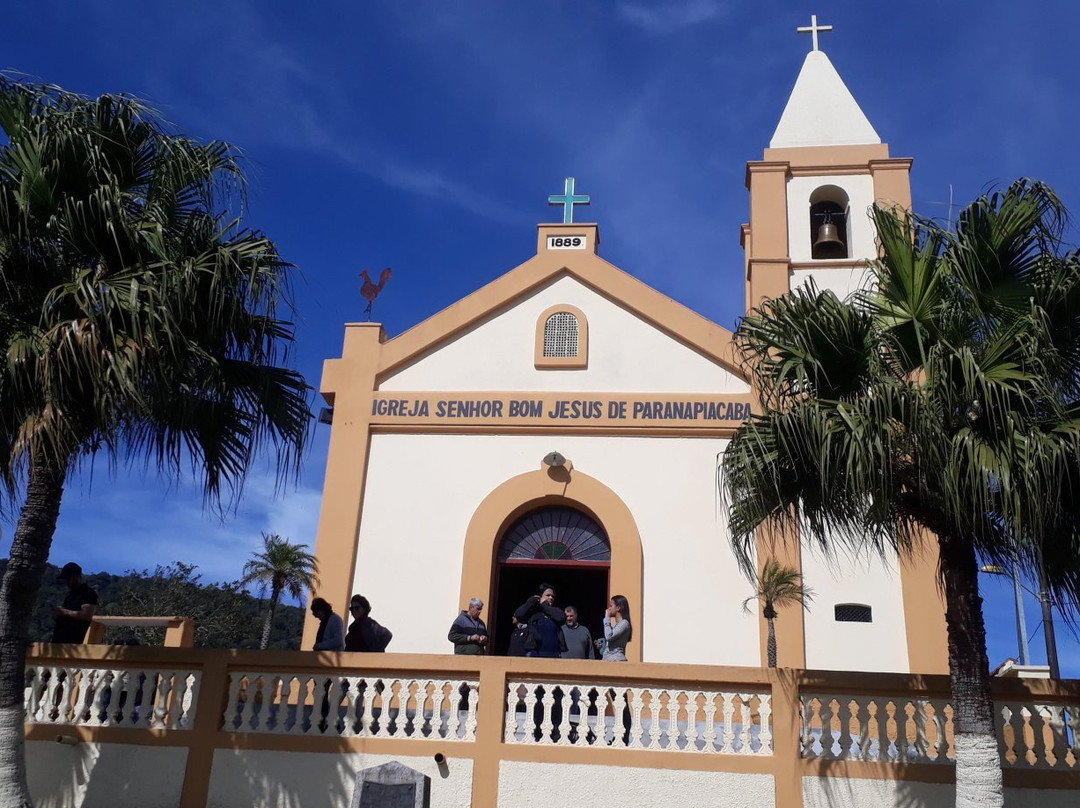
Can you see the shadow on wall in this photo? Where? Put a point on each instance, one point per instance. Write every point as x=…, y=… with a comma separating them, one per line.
x=837, y=792
x=88, y=775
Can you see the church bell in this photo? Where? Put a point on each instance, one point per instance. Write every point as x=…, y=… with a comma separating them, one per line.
x=828, y=243
x=828, y=236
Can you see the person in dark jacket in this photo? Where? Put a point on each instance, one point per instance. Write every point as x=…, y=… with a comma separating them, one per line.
x=544, y=619
x=518, y=638
x=468, y=632
x=365, y=634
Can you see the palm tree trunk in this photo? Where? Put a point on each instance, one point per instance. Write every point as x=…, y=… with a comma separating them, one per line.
x=772, y=642
x=18, y=593
x=268, y=621
x=978, y=766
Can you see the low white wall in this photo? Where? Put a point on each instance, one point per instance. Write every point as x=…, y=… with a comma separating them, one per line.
x=559, y=785
x=262, y=779
x=822, y=792
x=92, y=775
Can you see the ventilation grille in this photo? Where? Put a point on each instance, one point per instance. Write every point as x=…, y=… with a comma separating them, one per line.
x=561, y=335
x=853, y=613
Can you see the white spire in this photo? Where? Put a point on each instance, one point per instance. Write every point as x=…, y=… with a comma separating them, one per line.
x=821, y=110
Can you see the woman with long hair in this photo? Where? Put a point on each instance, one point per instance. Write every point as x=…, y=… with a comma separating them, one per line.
x=618, y=630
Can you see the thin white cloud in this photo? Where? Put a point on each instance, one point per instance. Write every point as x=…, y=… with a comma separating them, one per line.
x=670, y=15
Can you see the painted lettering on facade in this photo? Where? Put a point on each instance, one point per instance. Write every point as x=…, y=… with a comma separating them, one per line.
x=554, y=408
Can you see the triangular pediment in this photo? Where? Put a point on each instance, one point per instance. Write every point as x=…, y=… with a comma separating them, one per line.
x=475, y=329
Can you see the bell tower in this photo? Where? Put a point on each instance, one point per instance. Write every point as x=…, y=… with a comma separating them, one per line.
x=811, y=193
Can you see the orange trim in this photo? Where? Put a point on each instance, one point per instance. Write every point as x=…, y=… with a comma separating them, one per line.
x=702, y=335
x=580, y=361
x=556, y=486
x=338, y=538
x=924, y=609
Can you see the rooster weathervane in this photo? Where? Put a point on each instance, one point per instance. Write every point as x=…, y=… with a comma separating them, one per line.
x=370, y=290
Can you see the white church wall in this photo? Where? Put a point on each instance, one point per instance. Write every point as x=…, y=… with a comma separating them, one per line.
x=860, y=191
x=625, y=354
x=422, y=491
x=842, y=281
x=524, y=785
x=97, y=775
x=880, y=645
x=840, y=792
x=267, y=779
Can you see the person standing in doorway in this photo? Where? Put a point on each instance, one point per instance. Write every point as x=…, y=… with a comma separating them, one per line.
x=578, y=640
x=618, y=630
x=468, y=632
x=544, y=619
x=74, y=615
x=518, y=638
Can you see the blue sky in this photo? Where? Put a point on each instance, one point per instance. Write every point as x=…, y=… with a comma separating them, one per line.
x=426, y=136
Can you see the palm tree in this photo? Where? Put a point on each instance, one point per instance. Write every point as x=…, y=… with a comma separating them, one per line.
x=941, y=405
x=281, y=567
x=778, y=586
x=138, y=320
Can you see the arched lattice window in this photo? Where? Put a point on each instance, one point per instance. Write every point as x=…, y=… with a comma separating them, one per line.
x=562, y=338
x=555, y=534
x=561, y=334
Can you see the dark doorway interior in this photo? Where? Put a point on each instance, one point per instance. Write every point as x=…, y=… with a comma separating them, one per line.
x=582, y=585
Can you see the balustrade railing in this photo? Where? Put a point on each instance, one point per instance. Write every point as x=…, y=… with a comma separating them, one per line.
x=638, y=717
x=902, y=729
x=351, y=704
x=99, y=696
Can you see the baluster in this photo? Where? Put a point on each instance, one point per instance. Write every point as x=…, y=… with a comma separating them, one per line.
x=843, y=714
x=433, y=721
x=620, y=704
x=728, y=746
x=122, y=701
x=565, y=700
x=1073, y=722
x=935, y=751
x=84, y=691
x=252, y=685
x=547, y=705
x=63, y=701
x=808, y=713
x=765, y=731
x=176, y=702
x=333, y=706
x=1037, y=721
x=863, y=722
x=1006, y=740
x=531, y=727
x=710, y=722
x=510, y=723
x=697, y=723
x=1055, y=715
x=921, y=742
x=368, y=694
x=884, y=741
x=32, y=694
x=826, y=712
x=275, y=709
x=675, y=706
x=744, y=735
x=903, y=730
x=655, y=707
x=470, y=716
x=1017, y=721
x=637, y=728
x=664, y=706
x=232, y=704
x=96, y=717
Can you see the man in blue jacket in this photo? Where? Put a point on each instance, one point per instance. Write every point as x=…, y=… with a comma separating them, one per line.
x=544, y=619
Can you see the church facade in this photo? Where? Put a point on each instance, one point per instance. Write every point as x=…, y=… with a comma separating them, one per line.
x=565, y=424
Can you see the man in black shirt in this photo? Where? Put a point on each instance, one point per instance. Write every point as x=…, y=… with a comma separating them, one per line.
x=74, y=615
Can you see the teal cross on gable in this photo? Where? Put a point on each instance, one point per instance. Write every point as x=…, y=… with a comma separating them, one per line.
x=568, y=199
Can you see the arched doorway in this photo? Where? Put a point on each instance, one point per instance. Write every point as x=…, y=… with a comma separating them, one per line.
x=551, y=486
x=553, y=544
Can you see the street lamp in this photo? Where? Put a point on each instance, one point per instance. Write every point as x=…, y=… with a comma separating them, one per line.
x=1021, y=623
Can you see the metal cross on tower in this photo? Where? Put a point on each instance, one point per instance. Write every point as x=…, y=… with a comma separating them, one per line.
x=813, y=28
x=568, y=199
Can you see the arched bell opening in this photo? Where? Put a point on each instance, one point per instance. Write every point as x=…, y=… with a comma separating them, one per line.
x=829, y=234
